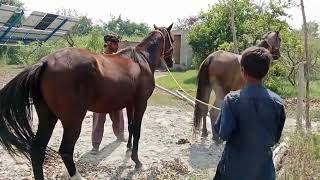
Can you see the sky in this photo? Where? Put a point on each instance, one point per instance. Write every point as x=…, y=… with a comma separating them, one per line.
x=161, y=13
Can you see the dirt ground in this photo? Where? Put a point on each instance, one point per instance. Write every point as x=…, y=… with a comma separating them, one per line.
x=162, y=128
x=165, y=122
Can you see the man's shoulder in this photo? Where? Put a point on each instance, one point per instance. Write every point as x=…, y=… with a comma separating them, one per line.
x=232, y=96
x=275, y=96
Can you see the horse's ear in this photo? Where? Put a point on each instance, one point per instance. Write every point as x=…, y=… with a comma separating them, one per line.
x=170, y=27
x=155, y=27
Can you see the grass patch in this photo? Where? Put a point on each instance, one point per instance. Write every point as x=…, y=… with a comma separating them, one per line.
x=187, y=80
x=315, y=88
x=303, y=158
x=162, y=99
x=286, y=90
x=7, y=72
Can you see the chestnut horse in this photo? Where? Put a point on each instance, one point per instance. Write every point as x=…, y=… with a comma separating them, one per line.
x=220, y=72
x=67, y=83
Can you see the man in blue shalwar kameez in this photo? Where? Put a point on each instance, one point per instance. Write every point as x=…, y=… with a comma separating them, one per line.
x=251, y=122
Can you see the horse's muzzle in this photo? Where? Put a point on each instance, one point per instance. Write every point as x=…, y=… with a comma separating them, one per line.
x=276, y=55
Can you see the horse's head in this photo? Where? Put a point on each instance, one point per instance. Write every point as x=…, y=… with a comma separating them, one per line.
x=167, y=50
x=273, y=41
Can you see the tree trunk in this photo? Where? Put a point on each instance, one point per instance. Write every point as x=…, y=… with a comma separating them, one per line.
x=233, y=27
x=307, y=70
x=300, y=96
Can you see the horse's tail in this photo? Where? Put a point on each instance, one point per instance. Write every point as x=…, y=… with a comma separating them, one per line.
x=16, y=134
x=203, y=94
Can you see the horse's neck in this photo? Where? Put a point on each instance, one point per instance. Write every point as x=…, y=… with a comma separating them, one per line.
x=264, y=44
x=150, y=47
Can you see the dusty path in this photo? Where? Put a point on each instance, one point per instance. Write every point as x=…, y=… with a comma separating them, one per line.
x=162, y=128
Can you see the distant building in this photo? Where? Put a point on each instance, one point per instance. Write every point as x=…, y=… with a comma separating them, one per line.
x=182, y=51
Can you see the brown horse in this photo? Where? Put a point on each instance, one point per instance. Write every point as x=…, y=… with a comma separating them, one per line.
x=220, y=72
x=67, y=83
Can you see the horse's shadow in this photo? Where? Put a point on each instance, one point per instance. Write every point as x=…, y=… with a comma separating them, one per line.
x=95, y=159
x=101, y=155
x=203, y=157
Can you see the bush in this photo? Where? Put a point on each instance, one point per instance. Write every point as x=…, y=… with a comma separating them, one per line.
x=302, y=161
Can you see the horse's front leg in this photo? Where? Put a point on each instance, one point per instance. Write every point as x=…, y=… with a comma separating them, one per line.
x=139, y=110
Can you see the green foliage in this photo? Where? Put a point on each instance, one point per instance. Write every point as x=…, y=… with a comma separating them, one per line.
x=226, y=46
x=16, y=3
x=302, y=161
x=126, y=27
x=84, y=35
x=213, y=30
x=93, y=41
x=30, y=54
x=83, y=27
x=132, y=38
x=186, y=79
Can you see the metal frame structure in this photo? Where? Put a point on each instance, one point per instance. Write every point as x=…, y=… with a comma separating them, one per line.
x=15, y=27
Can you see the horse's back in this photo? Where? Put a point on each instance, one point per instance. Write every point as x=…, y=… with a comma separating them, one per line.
x=223, y=57
x=67, y=81
x=76, y=77
x=224, y=69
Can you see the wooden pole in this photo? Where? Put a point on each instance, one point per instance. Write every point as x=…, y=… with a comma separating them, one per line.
x=307, y=70
x=300, y=96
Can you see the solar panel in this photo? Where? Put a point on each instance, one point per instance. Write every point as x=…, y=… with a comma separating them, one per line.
x=38, y=26
x=29, y=35
x=67, y=26
x=32, y=20
x=6, y=13
x=46, y=21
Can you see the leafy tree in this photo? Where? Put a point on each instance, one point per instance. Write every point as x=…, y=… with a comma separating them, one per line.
x=16, y=3
x=251, y=22
x=84, y=26
x=126, y=27
x=186, y=23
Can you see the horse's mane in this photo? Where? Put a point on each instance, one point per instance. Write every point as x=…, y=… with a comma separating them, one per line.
x=130, y=52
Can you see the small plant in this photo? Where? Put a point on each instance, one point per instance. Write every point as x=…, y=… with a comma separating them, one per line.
x=302, y=161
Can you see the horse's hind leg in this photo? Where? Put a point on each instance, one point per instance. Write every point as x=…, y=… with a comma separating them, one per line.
x=219, y=93
x=206, y=97
x=47, y=122
x=138, y=114
x=71, y=133
x=130, y=116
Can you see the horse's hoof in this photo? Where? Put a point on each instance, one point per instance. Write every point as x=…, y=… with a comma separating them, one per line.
x=204, y=134
x=129, y=149
x=138, y=165
x=77, y=176
x=217, y=140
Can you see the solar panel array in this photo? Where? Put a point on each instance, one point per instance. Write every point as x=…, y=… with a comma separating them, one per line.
x=38, y=26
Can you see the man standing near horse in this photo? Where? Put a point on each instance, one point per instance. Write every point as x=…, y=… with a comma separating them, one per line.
x=251, y=121
x=111, y=46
